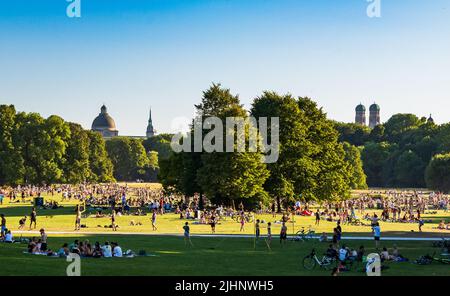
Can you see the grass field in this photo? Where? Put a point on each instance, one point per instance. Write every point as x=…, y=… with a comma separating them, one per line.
x=63, y=219
x=210, y=256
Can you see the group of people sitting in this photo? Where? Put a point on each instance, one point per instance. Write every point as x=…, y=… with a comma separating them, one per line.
x=344, y=254
x=83, y=249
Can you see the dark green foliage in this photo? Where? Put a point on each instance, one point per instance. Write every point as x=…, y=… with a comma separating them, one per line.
x=438, y=173
x=130, y=160
x=34, y=150
x=396, y=153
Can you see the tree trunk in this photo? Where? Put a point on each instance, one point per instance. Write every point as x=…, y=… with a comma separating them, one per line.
x=278, y=204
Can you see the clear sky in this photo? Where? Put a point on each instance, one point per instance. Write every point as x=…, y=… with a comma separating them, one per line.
x=133, y=54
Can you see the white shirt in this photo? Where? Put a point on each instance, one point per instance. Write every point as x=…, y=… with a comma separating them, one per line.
x=107, y=251
x=8, y=237
x=342, y=254
x=117, y=251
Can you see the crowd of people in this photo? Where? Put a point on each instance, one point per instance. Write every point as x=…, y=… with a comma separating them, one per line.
x=117, y=200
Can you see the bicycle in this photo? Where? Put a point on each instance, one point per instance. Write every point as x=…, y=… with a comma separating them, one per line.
x=311, y=261
x=427, y=260
x=303, y=235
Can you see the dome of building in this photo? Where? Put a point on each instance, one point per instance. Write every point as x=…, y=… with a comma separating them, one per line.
x=360, y=108
x=430, y=119
x=374, y=107
x=103, y=121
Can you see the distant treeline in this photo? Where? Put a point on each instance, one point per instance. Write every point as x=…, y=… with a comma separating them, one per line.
x=406, y=151
x=37, y=150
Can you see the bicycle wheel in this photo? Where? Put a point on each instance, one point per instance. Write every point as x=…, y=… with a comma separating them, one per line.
x=309, y=263
x=328, y=264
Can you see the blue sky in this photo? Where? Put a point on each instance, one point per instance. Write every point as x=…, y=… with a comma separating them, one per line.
x=133, y=54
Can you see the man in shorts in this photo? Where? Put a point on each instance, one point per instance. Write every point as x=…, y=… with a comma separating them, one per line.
x=283, y=234
x=187, y=235
x=78, y=220
x=33, y=218
x=257, y=230
x=377, y=234
x=43, y=240
x=154, y=221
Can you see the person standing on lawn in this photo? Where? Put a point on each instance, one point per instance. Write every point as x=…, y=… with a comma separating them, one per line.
x=257, y=230
x=377, y=234
x=339, y=230
x=187, y=235
x=43, y=240
x=318, y=217
x=154, y=221
x=33, y=217
x=78, y=219
x=113, y=220
x=283, y=234
x=3, y=225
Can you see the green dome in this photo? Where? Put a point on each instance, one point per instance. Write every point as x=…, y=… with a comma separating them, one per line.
x=374, y=107
x=104, y=121
x=360, y=108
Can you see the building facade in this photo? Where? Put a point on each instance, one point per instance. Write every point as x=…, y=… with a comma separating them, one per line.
x=360, y=117
x=106, y=126
x=374, y=115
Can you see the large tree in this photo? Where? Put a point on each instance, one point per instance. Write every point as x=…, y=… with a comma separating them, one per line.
x=99, y=162
x=357, y=177
x=311, y=163
x=438, y=173
x=129, y=158
x=76, y=166
x=229, y=176
x=12, y=168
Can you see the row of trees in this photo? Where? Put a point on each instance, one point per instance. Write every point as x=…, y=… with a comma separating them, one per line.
x=399, y=153
x=35, y=150
x=312, y=163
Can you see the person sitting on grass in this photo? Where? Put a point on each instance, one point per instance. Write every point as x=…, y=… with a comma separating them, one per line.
x=73, y=245
x=97, y=251
x=323, y=238
x=87, y=249
x=117, y=250
x=63, y=251
x=385, y=256
x=8, y=237
x=32, y=245
x=343, y=257
x=331, y=252
x=441, y=225
x=37, y=247
x=106, y=250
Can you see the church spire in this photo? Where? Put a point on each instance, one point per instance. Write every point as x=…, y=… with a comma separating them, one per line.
x=150, y=130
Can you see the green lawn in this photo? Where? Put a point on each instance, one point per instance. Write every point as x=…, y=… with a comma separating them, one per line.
x=209, y=256
x=63, y=220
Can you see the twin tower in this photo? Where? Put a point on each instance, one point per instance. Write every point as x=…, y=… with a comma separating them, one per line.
x=374, y=115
